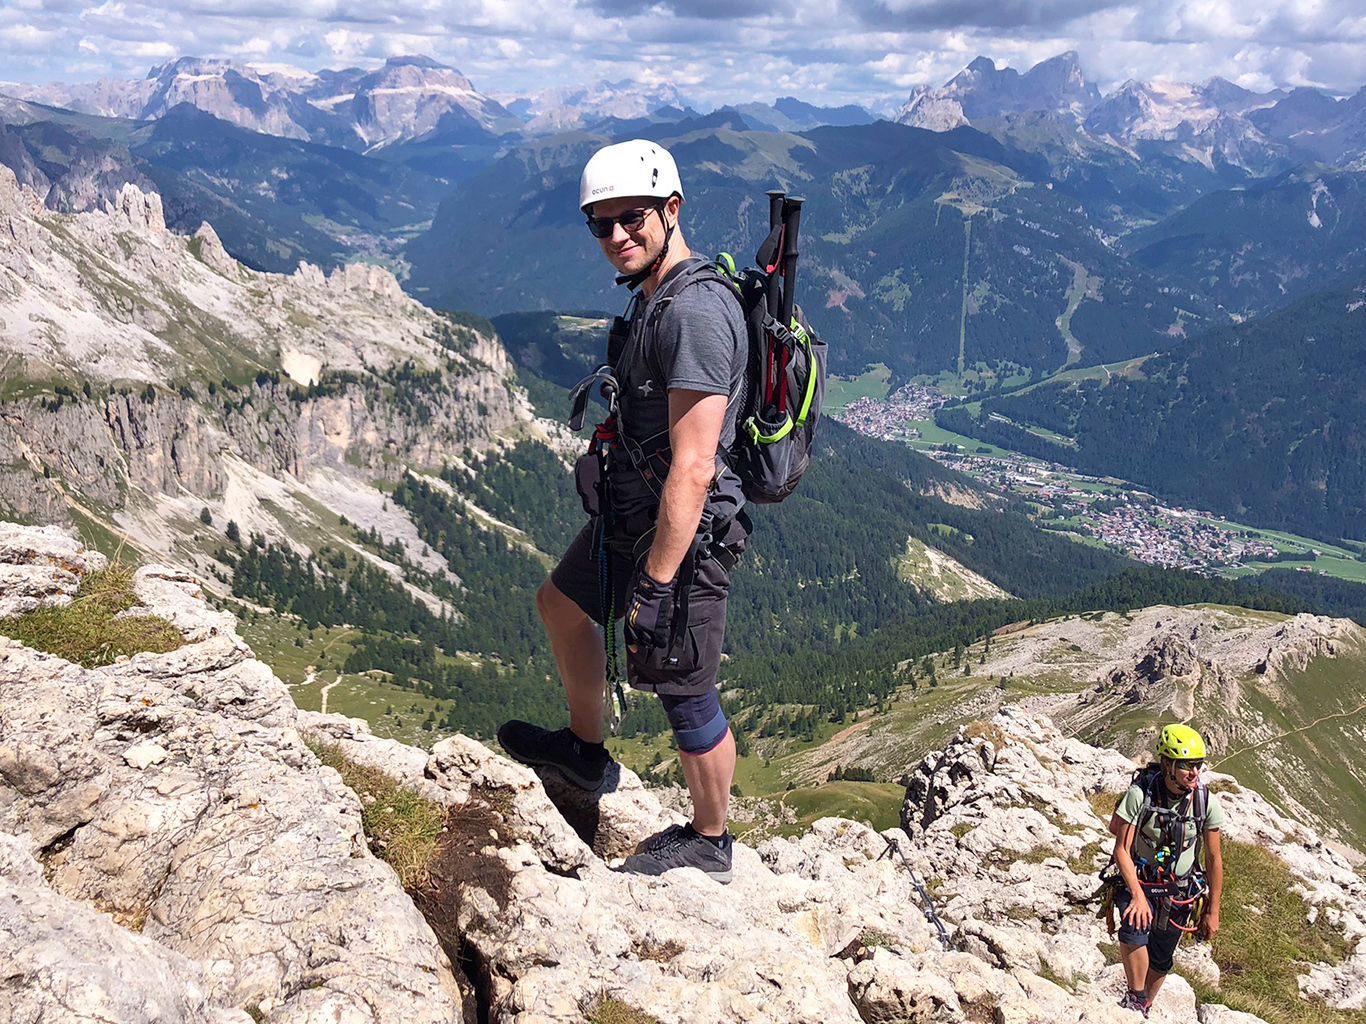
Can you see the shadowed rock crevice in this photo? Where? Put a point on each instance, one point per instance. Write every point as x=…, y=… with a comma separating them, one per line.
x=462, y=876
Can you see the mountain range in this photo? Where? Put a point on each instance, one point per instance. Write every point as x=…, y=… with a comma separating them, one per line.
x=415, y=98
x=408, y=98
x=1054, y=229
x=1215, y=123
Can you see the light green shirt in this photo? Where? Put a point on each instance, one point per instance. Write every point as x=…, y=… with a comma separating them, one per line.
x=1148, y=839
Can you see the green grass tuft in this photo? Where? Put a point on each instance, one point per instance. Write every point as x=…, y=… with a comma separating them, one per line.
x=606, y=1009
x=1265, y=939
x=89, y=631
x=402, y=827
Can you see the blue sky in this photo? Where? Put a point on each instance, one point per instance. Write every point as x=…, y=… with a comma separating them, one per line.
x=714, y=51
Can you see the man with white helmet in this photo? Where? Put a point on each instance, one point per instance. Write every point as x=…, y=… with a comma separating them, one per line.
x=677, y=525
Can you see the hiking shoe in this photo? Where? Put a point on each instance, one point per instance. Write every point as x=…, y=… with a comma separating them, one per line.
x=579, y=762
x=681, y=846
x=1134, y=1001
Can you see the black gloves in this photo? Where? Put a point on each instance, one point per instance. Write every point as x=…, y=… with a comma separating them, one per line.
x=650, y=612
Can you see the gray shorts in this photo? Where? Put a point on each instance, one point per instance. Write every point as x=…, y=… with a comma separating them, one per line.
x=578, y=577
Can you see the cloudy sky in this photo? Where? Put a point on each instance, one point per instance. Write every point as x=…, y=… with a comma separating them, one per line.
x=714, y=51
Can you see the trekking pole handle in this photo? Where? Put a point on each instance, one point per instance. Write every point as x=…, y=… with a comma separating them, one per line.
x=792, y=216
x=775, y=207
x=772, y=294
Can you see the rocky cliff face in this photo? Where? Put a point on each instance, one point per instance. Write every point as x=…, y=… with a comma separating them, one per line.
x=147, y=375
x=170, y=850
x=405, y=99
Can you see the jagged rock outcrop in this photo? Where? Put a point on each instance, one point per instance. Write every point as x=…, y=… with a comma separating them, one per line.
x=39, y=566
x=173, y=794
x=194, y=382
x=168, y=840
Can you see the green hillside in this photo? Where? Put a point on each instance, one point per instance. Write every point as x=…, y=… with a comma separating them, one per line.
x=1254, y=249
x=924, y=251
x=1262, y=421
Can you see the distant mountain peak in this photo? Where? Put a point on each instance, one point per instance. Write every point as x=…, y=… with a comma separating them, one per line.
x=982, y=90
x=417, y=60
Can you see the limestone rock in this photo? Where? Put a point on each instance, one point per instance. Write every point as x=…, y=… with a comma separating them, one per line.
x=64, y=961
x=178, y=595
x=173, y=792
x=889, y=989
x=462, y=766
x=213, y=254
x=141, y=209
x=1213, y=1013
x=40, y=565
x=29, y=587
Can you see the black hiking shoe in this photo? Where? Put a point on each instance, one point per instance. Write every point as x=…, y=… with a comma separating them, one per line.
x=681, y=846
x=1135, y=1001
x=576, y=760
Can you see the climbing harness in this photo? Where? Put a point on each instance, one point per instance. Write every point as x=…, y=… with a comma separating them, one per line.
x=1164, y=889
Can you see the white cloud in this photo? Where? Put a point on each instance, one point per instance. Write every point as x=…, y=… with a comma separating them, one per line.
x=30, y=38
x=718, y=51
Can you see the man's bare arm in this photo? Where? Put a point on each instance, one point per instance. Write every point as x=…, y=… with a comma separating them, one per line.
x=695, y=421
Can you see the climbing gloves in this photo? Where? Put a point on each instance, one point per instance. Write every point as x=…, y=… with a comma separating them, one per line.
x=650, y=613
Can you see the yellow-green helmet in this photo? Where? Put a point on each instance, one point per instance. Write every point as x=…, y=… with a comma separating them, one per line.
x=1180, y=743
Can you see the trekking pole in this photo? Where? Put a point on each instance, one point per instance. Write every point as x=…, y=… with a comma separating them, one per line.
x=893, y=844
x=792, y=217
x=772, y=262
x=775, y=207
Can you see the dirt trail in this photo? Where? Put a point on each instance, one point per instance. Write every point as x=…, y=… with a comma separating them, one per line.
x=326, y=689
x=1291, y=732
x=849, y=730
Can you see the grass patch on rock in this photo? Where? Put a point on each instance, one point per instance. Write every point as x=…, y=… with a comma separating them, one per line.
x=402, y=827
x=1265, y=940
x=1103, y=803
x=607, y=1009
x=92, y=630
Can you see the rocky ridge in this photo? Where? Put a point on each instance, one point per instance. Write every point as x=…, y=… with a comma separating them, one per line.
x=407, y=98
x=171, y=850
x=188, y=381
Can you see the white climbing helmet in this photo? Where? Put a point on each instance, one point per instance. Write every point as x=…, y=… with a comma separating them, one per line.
x=634, y=168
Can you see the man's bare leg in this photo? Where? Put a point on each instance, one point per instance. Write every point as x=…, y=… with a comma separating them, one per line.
x=579, y=655
x=709, y=777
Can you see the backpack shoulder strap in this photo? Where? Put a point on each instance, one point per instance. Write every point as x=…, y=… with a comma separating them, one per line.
x=1200, y=811
x=689, y=271
x=1146, y=778
x=693, y=270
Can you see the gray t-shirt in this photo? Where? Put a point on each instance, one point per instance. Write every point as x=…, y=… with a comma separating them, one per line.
x=695, y=341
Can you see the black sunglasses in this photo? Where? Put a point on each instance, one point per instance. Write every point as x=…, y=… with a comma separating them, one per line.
x=631, y=220
x=1186, y=766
